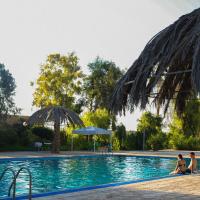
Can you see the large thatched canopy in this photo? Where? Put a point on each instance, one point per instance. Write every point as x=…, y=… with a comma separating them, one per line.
x=57, y=114
x=167, y=69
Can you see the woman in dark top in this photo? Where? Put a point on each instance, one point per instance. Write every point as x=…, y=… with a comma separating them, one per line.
x=180, y=166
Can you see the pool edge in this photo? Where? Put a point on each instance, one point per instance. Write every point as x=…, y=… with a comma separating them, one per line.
x=68, y=191
x=65, y=191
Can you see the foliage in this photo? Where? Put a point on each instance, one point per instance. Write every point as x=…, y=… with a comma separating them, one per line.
x=131, y=141
x=184, y=131
x=193, y=142
x=16, y=135
x=191, y=118
x=98, y=118
x=151, y=125
x=176, y=136
x=99, y=84
x=7, y=92
x=157, y=141
x=183, y=142
x=8, y=136
x=59, y=81
x=115, y=143
x=44, y=133
x=120, y=133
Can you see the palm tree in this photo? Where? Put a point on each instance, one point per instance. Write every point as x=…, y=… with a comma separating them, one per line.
x=58, y=115
x=172, y=59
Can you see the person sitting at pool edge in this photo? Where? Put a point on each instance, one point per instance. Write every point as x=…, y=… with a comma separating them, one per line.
x=180, y=166
x=192, y=168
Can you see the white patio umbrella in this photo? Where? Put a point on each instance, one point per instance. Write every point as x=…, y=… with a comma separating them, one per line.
x=90, y=130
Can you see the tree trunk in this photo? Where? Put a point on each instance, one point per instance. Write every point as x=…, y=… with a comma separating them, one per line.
x=56, y=139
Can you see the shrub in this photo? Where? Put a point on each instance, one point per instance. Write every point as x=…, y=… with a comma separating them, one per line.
x=8, y=137
x=177, y=141
x=131, y=141
x=157, y=141
x=115, y=143
x=44, y=133
x=193, y=143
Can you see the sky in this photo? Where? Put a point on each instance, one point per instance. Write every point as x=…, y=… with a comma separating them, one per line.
x=115, y=30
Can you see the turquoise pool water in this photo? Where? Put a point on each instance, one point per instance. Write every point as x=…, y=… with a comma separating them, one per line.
x=54, y=174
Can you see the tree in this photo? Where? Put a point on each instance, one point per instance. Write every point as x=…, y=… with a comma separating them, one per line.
x=59, y=81
x=151, y=125
x=184, y=131
x=99, y=118
x=99, y=84
x=120, y=133
x=7, y=92
x=191, y=118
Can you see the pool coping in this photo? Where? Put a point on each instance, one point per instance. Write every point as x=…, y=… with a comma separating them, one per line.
x=74, y=156
x=65, y=191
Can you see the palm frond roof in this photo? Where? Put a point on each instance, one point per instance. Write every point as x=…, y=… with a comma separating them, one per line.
x=167, y=69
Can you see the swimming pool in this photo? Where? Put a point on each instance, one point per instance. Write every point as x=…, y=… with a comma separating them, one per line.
x=57, y=174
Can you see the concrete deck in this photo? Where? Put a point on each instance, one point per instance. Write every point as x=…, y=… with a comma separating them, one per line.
x=184, y=187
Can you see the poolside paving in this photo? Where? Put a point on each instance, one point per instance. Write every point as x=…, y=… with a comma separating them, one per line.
x=182, y=187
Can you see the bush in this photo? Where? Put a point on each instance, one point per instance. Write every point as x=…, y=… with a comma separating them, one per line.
x=193, y=143
x=157, y=141
x=45, y=134
x=16, y=137
x=131, y=141
x=8, y=137
x=181, y=142
x=115, y=143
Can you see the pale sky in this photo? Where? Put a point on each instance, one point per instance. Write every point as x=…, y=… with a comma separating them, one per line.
x=116, y=30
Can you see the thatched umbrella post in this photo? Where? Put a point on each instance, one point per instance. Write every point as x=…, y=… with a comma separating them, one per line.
x=168, y=69
x=58, y=115
x=56, y=139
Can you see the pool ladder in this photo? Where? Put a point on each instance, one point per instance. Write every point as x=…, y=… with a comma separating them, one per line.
x=14, y=181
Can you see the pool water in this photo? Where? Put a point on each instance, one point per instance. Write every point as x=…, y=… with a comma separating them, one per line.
x=55, y=174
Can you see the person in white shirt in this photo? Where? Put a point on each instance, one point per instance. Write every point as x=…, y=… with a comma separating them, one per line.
x=193, y=164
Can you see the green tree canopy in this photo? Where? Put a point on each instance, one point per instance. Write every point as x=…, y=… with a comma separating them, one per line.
x=184, y=131
x=189, y=123
x=151, y=125
x=99, y=84
x=7, y=92
x=59, y=81
x=191, y=118
x=99, y=118
x=120, y=133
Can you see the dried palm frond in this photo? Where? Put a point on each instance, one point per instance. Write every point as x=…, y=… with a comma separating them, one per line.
x=169, y=65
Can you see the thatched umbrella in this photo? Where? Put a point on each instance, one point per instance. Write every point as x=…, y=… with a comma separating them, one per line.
x=58, y=115
x=167, y=69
